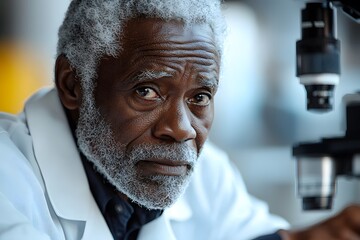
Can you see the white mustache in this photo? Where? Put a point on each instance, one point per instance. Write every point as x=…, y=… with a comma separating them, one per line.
x=173, y=152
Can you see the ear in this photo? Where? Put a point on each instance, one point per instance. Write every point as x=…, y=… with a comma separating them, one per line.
x=67, y=84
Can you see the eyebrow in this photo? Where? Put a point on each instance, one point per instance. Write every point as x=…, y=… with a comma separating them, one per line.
x=212, y=83
x=146, y=75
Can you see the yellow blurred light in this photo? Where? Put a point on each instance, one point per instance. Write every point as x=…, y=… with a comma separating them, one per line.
x=21, y=74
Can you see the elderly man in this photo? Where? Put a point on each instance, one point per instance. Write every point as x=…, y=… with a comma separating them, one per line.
x=109, y=153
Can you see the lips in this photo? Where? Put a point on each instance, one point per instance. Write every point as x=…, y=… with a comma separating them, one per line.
x=162, y=167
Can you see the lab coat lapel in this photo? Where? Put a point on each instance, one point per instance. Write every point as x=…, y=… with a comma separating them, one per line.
x=61, y=167
x=159, y=229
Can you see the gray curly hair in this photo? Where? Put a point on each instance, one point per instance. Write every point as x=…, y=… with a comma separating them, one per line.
x=91, y=28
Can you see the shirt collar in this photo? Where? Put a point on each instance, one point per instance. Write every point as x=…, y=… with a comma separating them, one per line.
x=123, y=223
x=103, y=192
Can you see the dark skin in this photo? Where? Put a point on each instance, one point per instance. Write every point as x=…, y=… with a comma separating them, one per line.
x=153, y=92
x=160, y=90
x=344, y=226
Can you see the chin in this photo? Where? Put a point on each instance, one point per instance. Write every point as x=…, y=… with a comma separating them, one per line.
x=157, y=192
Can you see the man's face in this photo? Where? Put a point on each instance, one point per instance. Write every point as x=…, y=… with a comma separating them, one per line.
x=153, y=109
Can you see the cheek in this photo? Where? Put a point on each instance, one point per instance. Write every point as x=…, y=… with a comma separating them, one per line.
x=129, y=125
x=202, y=127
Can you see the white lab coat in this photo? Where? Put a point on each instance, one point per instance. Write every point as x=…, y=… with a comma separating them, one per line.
x=44, y=193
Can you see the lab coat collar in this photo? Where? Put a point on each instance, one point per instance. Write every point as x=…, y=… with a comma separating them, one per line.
x=65, y=179
x=61, y=166
x=180, y=211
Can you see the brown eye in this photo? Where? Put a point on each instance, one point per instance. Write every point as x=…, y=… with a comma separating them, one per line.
x=201, y=99
x=147, y=93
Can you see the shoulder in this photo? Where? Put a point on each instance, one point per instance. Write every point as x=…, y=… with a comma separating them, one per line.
x=19, y=183
x=13, y=125
x=16, y=154
x=21, y=192
x=15, y=139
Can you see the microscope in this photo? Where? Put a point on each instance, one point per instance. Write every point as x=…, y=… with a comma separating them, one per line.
x=318, y=68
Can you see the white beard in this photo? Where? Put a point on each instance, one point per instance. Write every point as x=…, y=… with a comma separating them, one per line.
x=111, y=159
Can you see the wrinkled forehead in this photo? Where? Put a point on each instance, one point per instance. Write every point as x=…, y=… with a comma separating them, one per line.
x=152, y=44
x=144, y=31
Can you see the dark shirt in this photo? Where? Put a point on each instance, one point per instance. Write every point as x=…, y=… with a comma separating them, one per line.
x=123, y=218
x=273, y=236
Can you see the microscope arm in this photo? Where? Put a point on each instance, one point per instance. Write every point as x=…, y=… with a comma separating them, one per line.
x=318, y=68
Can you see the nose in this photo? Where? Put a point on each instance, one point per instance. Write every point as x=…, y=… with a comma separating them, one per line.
x=174, y=124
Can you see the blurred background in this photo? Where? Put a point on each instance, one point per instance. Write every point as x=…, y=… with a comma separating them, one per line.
x=260, y=106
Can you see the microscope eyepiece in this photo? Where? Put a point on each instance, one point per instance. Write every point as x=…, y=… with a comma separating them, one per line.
x=317, y=203
x=318, y=56
x=319, y=97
